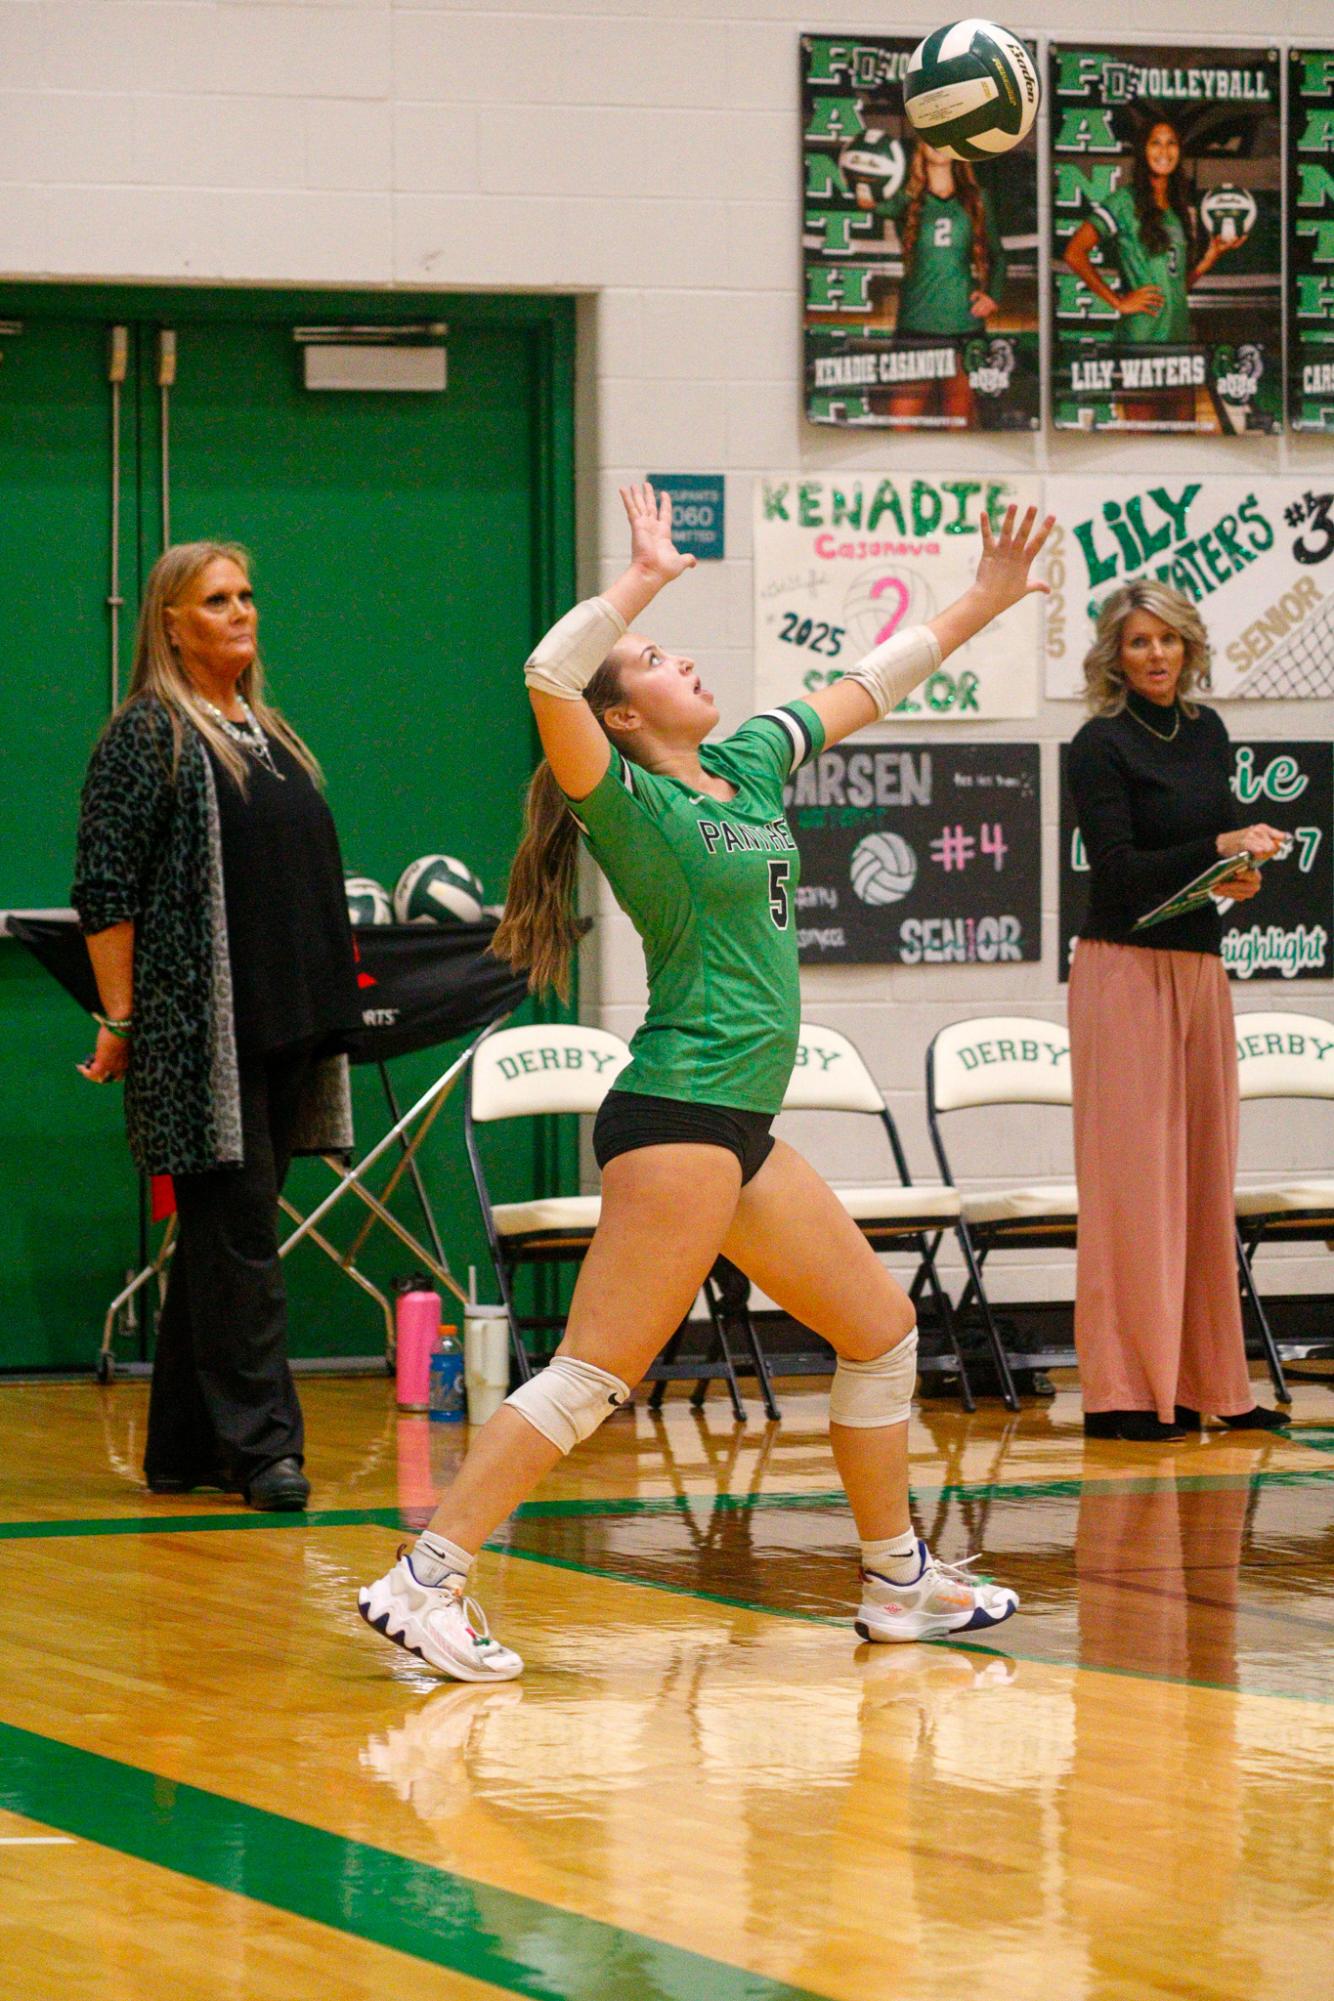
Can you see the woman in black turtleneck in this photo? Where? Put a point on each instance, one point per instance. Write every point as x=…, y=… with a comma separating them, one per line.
x=1152, y=1046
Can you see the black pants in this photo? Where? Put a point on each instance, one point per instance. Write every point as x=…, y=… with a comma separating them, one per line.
x=223, y=1396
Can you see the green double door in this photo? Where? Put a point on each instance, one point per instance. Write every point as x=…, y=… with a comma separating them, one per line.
x=406, y=547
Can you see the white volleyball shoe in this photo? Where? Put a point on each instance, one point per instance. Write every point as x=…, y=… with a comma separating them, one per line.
x=942, y=1602
x=437, y=1623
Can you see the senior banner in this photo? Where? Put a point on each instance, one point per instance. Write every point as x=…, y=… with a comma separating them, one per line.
x=842, y=561
x=1166, y=239
x=1311, y=239
x=1255, y=555
x=925, y=855
x=921, y=272
x=1284, y=933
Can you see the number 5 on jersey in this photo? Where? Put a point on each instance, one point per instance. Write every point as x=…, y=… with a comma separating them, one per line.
x=779, y=900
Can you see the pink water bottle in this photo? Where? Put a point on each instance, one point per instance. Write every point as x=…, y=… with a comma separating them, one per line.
x=416, y=1331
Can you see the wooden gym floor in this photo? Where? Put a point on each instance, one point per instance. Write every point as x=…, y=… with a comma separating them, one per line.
x=215, y=1782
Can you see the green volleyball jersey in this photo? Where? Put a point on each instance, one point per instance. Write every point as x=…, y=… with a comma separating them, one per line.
x=710, y=886
x=935, y=296
x=1117, y=223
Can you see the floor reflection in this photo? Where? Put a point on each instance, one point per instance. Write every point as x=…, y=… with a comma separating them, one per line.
x=1130, y=1794
x=1168, y=1569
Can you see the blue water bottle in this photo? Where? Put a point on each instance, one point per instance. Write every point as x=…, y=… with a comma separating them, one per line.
x=448, y=1396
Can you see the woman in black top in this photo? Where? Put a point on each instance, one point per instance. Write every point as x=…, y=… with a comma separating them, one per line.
x=210, y=890
x=1152, y=1046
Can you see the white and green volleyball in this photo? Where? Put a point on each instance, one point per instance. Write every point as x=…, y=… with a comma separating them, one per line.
x=876, y=161
x=1229, y=212
x=971, y=90
x=438, y=889
x=367, y=900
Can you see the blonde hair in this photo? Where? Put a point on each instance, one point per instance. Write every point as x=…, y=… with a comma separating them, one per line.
x=157, y=670
x=540, y=930
x=1104, y=677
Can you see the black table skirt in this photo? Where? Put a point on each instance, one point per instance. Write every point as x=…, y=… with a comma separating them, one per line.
x=421, y=984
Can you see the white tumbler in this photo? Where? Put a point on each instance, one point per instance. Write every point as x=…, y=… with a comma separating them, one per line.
x=486, y=1359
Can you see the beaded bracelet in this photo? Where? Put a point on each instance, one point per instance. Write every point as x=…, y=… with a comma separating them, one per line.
x=121, y=1027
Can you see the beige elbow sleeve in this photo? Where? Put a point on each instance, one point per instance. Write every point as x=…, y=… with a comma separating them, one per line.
x=891, y=671
x=565, y=660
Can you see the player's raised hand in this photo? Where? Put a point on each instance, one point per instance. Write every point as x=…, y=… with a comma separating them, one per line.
x=1007, y=558
x=652, y=549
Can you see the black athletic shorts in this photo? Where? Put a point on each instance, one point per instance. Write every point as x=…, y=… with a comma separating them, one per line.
x=629, y=1119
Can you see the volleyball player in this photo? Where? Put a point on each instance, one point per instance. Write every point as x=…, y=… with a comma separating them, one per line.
x=1149, y=230
x=692, y=838
x=953, y=270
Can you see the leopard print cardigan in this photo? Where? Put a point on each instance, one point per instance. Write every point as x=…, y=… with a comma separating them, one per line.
x=150, y=852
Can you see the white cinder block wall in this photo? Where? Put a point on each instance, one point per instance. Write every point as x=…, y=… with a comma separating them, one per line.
x=646, y=158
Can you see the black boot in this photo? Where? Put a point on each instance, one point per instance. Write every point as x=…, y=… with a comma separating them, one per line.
x=1259, y=1418
x=1139, y=1427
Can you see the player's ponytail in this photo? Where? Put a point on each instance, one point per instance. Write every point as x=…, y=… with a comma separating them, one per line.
x=540, y=929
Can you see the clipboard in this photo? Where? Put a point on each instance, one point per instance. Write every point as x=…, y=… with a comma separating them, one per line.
x=1198, y=891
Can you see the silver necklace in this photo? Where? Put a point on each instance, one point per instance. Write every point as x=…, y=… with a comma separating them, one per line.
x=1162, y=736
x=248, y=734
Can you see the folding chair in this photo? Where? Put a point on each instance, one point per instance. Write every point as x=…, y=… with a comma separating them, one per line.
x=830, y=1075
x=526, y=1072
x=407, y=1133
x=1282, y=1056
x=1003, y=1060
x=532, y=1073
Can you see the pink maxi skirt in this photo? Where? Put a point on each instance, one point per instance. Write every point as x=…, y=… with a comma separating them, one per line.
x=1154, y=1059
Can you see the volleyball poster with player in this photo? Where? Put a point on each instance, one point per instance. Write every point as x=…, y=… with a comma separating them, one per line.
x=1166, y=239
x=920, y=272
x=842, y=562
x=1256, y=557
x=1311, y=239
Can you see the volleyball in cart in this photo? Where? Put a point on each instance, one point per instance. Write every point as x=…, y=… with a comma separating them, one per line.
x=438, y=889
x=367, y=900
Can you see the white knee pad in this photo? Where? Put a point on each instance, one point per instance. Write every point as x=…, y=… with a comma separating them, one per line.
x=869, y=1394
x=568, y=1400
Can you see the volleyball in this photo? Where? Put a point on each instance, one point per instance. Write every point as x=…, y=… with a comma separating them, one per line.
x=367, y=900
x=1228, y=212
x=875, y=162
x=884, y=868
x=971, y=90
x=438, y=889
x=878, y=601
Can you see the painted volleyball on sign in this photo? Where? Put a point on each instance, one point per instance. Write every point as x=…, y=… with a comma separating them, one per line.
x=883, y=868
x=879, y=601
x=438, y=889
x=971, y=90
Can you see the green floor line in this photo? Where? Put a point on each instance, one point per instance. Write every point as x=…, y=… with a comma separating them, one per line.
x=844, y=1624
x=514, y=1942
x=1320, y=1438
x=201, y=1524
x=1066, y=1488
x=407, y=1521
